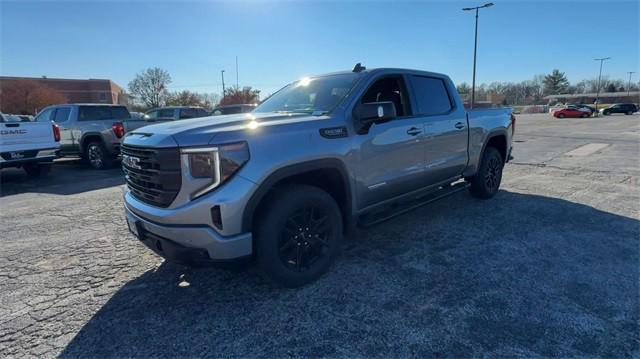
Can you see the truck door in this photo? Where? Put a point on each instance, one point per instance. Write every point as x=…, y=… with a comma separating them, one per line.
x=446, y=128
x=391, y=157
x=61, y=118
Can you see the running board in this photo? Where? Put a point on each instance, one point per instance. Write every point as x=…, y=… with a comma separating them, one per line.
x=402, y=207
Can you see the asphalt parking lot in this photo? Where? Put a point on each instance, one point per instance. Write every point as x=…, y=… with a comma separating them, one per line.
x=549, y=267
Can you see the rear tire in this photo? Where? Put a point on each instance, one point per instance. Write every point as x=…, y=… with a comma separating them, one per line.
x=37, y=169
x=299, y=235
x=630, y=113
x=96, y=154
x=486, y=183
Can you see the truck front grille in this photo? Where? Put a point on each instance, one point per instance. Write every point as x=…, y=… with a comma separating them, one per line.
x=152, y=174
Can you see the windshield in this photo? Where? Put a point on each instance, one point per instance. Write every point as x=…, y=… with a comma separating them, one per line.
x=310, y=95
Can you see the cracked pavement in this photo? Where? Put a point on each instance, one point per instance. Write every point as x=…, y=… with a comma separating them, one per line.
x=549, y=267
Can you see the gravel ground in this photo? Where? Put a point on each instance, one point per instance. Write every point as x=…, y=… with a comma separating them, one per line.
x=549, y=267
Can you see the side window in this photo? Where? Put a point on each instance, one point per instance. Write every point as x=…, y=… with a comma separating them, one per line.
x=232, y=110
x=62, y=114
x=217, y=112
x=189, y=113
x=44, y=116
x=431, y=96
x=389, y=89
x=167, y=113
x=201, y=112
x=94, y=113
x=151, y=115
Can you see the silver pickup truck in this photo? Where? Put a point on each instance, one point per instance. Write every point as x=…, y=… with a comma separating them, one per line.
x=91, y=131
x=285, y=183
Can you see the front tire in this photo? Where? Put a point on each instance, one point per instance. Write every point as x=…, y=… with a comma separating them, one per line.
x=486, y=183
x=584, y=115
x=561, y=115
x=37, y=169
x=97, y=156
x=299, y=235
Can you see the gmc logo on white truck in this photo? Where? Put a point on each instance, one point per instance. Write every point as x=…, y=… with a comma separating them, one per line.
x=13, y=132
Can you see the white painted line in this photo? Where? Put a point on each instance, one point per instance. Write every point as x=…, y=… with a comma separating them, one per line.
x=586, y=150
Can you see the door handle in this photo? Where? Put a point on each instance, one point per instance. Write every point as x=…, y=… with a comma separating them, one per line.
x=413, y=131
x=460, y=125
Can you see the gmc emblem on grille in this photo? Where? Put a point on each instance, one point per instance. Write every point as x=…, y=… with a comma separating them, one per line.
x=130, y=161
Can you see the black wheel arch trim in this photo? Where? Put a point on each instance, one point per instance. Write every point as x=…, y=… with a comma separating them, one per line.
x=291, y=170
x=493, y=134
x=84, y=140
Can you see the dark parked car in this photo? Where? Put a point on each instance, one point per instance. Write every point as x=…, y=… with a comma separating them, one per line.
x=174, y=113
x=626, y=108
x=232, y=109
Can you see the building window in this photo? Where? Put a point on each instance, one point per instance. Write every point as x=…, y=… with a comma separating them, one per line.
x=102, y=97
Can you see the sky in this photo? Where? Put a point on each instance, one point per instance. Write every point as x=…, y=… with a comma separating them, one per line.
x=279, y=42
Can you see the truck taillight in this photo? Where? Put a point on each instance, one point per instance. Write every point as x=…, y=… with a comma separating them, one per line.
x=513, y=124
x=56, y=132
x=118, y=129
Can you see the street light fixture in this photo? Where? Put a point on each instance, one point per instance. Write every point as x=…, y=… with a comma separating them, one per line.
x=599, y=77
x=475, y=49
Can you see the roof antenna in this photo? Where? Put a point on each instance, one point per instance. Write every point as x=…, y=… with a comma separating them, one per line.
x=359, y=68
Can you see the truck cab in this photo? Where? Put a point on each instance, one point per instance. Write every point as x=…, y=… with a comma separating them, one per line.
x=285, y=183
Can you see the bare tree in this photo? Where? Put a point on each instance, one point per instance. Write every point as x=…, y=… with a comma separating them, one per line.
x=235, y=95
x=150, y=87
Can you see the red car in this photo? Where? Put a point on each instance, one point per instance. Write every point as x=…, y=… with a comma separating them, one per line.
x=570, y=112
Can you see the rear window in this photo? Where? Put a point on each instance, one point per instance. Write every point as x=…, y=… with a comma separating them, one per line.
x=431, y=95
x=97, y=113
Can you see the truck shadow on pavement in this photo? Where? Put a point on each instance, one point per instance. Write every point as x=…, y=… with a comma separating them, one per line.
x=521, y=275
x=68, y=176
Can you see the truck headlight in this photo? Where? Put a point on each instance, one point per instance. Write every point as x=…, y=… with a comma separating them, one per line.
x=209, y=167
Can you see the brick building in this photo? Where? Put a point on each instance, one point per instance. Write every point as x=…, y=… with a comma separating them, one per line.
x=76, y=91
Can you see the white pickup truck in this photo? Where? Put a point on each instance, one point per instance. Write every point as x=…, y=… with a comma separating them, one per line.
x=26, y=144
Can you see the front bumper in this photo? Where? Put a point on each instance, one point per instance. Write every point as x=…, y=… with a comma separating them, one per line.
x=188, y=244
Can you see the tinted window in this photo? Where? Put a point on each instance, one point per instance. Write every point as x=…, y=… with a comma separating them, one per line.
x=232, y=110
x=192, y=112
x=97, y=113
x=166, y=113
x=120, y=112
x=431, y=95
x=44, y=116
x=62, y=114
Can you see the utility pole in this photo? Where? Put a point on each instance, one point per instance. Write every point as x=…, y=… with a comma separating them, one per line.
x=222, y=73
x=629, y=85
x=237, y=82
x=475, y=49
x=599, y=77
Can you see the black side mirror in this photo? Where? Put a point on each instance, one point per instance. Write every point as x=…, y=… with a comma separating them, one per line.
x=366, y=114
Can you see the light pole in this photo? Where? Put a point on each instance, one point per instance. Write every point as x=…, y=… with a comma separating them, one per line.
x=475, y=49
x=629, y=85
x=222, y=73
x=599, y=77
x=237, y=82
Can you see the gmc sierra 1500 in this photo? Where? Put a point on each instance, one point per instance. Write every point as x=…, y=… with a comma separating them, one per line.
x=286, y=182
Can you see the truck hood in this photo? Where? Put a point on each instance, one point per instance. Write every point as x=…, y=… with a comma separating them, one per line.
x=202, y=130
